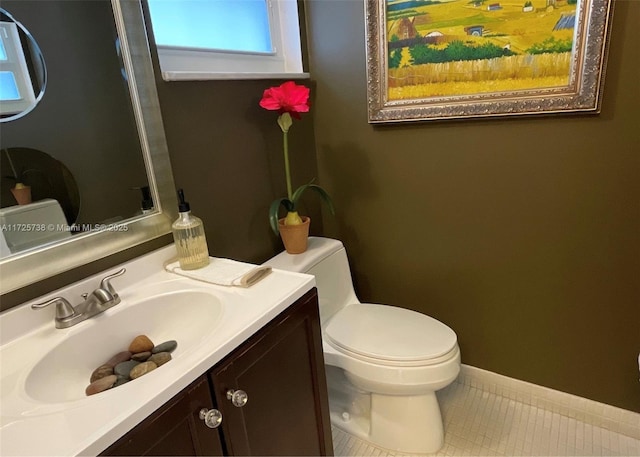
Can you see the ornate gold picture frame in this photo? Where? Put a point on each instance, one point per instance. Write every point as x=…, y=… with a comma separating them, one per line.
x=453, y=59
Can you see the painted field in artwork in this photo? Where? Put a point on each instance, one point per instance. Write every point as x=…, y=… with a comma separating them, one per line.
x=466, y=47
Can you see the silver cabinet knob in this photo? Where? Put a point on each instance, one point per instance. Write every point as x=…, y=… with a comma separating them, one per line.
x=239, y=398
x=212, y=417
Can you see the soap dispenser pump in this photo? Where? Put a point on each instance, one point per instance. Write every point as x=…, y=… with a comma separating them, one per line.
x=189, y=237
x=146, y=204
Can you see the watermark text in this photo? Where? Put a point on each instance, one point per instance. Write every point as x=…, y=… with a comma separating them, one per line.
x=63, y=228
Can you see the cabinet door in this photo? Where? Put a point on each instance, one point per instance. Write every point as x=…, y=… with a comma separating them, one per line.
x=281, y=369
x=175, y=429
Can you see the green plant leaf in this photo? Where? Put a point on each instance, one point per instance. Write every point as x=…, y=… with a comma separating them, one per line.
x=323, y=193
x=273, y=212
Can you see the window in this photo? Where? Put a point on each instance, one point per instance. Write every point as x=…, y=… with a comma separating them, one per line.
x=225, y=39
x=16, y=89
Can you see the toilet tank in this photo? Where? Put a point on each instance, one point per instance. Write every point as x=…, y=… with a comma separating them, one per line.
x=32, y=225
x=326, y=259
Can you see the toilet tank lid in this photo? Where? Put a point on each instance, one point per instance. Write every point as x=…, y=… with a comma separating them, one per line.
x=33, y=206
x=318, y=248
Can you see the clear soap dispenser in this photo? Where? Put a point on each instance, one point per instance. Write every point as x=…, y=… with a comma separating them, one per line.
x=189, y=237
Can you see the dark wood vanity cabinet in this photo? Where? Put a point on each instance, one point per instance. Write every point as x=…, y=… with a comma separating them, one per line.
x=175, y=428
x=281, y=371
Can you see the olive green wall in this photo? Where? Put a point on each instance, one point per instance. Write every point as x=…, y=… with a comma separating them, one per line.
x=226, y=153
x=521, y=234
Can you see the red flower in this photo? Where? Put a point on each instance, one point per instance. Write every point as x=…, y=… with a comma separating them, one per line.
x=287, y=98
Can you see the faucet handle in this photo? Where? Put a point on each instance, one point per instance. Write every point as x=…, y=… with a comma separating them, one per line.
x=64, y=309
x=106, y=285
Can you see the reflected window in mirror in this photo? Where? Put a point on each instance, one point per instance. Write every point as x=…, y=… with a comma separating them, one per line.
x=98, y=124
x=16, y=91
x=22, y=69
x=80, y=150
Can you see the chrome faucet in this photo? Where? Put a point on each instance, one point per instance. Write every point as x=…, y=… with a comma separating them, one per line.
x=101, y=299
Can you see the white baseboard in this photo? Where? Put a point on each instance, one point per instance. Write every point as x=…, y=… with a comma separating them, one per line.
x=589, y=411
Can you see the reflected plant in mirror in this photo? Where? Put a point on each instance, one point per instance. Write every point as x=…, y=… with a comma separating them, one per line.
x=79, y=148
x=92, y=150
x=21, y=192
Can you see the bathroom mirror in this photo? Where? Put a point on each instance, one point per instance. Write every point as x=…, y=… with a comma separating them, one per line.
x=98, y=240
x=23, y=74
x=84, y=127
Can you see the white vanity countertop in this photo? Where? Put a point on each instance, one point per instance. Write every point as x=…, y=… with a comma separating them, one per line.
x=88, y=425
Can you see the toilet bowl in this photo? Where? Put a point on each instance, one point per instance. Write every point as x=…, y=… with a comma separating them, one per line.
x=384, y=364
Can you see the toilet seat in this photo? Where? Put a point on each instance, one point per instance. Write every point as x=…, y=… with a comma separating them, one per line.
x=389, y=335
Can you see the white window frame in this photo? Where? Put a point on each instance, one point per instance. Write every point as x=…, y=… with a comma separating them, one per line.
x=182, y=64
x=16, y=64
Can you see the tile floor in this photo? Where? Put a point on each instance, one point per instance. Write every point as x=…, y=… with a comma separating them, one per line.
x=481, y=423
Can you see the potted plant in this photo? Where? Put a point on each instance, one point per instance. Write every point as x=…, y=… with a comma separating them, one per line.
x=290, y=100
x=21, y=192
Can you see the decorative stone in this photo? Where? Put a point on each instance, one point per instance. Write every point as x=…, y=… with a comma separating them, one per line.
x=142, y=369
x=124, y=368
x=160, y=358
x=101, y=372
x=101, y=385
x=141, y=356
x=119, y=357
x=141, y=343
x=121, y=380
x=167, y=346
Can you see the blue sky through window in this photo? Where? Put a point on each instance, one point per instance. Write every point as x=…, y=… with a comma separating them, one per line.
x=234, y=25
x=3, y=51
x=8, y=87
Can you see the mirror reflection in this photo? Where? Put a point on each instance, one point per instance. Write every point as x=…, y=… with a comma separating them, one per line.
x=23, y=74
x=78, y=154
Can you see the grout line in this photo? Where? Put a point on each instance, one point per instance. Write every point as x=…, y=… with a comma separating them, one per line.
x=589, y=411
x=484, y=418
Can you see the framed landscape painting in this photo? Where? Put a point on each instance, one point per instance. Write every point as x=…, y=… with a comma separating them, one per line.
x=452, y=59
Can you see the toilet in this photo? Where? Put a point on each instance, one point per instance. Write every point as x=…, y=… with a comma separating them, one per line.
x=384, y=364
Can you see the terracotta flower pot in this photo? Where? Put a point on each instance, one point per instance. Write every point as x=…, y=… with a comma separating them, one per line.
x=295, y=237
x=22, y=194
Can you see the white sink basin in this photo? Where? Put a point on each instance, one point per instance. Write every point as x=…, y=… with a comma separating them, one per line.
x=62, y=374
x=44, y=371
